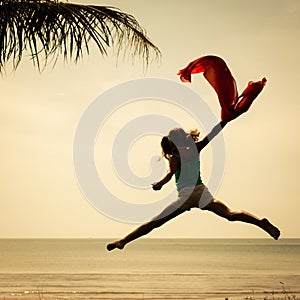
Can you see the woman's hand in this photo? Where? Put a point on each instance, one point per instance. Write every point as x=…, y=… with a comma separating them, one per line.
x=156, y=186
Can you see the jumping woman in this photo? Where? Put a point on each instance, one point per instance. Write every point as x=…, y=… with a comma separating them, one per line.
x=182, y=150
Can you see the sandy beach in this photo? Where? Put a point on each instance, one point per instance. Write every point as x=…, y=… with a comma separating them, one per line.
x=213, y=269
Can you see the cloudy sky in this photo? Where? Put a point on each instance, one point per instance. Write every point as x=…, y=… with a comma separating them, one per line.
x=40, y=113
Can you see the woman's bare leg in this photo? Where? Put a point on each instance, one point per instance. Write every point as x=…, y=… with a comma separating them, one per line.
x=144, y=229
x=222, y=210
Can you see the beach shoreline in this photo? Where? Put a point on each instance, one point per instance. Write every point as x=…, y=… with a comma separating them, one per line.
x=213, y=269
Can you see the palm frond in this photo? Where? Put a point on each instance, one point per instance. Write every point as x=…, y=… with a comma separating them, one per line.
x=49, y=29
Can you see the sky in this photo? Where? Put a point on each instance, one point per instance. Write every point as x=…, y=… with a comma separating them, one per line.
x=40, y=113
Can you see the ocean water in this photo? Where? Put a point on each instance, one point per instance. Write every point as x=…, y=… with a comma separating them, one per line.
x=150, y=269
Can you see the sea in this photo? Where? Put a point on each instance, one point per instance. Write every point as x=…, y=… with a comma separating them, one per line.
x=150, y=269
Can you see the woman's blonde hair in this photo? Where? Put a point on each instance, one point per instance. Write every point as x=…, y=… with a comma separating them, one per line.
x=178, y=138
x=195, y=134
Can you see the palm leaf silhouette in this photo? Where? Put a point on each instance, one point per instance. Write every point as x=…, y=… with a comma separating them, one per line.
x=49, y=29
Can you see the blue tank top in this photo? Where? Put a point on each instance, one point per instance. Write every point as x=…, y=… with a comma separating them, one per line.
x=190, y=173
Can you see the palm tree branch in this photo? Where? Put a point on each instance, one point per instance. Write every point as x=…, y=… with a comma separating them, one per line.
x=48, y=29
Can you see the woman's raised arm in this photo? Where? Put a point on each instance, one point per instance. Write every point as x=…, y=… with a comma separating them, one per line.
x=200, y=145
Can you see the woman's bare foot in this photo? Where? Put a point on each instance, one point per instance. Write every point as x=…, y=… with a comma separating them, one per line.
x=273, y=231
x=114, y=245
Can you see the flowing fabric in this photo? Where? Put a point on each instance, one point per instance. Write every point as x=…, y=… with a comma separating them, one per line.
x=219, y=77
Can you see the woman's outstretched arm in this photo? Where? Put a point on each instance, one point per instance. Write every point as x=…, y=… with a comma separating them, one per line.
x=200, y=145
x=173, y=165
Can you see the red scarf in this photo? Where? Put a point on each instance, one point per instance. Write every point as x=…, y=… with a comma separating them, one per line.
x=218, y=75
